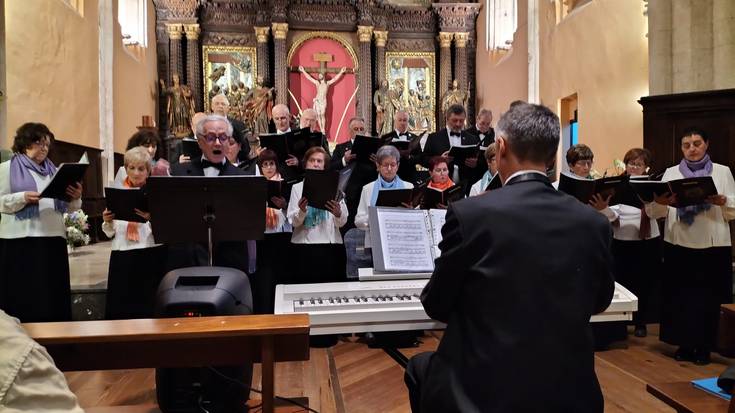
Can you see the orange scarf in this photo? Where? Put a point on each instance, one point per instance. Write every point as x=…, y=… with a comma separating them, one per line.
x=131, y=233
x=271, y=214
x=446, y=185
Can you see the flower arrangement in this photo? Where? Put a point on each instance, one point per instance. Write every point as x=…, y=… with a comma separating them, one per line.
x=76, y=228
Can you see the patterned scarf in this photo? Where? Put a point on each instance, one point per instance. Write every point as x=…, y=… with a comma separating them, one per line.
x=688, y=169
x=21, y=180
x=380, y=184
x=271, y=214
x=486, y=178
x=131, y=232
x=314, y=216
x=446, y=185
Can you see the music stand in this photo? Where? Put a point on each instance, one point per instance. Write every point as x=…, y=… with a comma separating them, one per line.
x=211, y=209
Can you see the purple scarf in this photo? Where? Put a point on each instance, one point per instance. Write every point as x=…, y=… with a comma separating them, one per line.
x=688, y=169
x=21, y=180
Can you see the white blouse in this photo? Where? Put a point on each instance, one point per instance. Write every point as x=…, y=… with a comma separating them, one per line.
x=117, y=230
x=49, y=223
x=363, y=208
x=327, y=232
x=628, y=227
x=710, y=227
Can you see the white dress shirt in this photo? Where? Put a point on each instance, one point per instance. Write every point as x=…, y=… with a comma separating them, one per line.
x=710, y=228
x=211, y=170
x=363, y=208
x=628, y=227
x=49, y=223
x=327, y=232
x=454, y=140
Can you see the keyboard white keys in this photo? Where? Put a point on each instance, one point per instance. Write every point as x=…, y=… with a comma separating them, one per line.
x=391, y=305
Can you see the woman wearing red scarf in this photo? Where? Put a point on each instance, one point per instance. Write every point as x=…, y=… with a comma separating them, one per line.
x=439, y=174
x=136, y=261
x=697, y=254
x=34, y=265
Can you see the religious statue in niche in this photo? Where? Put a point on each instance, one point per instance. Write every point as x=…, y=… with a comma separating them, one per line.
x=179, y=106
x=322, y=86
x=229, y=70
x=454, y=96
x=256, y=107
x=384, y=109
x=411, y=76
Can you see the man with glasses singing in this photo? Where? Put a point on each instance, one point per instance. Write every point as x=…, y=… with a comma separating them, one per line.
x=213, y=135
x=363, y=172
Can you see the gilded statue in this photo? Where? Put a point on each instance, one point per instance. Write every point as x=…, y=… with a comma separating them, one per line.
x=384, y=109
x=320, y=101
x=179, y=107
x=258, y=105
x=455, y=96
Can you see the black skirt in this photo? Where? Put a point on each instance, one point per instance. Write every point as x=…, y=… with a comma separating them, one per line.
x=638, y=268
x=132, y=282
x=695, y=283
x=274, y=259
x=34, y=279
x=318, y=263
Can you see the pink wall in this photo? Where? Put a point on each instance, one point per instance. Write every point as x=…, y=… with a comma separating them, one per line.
x=339, y=93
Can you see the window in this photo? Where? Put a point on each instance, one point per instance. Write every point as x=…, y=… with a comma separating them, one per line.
x=76, y=5
x=501, y=21
x=574, y=130
x=133, y=18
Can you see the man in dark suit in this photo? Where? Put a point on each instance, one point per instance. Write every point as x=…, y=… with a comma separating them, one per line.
x=309, y=120
x=522, y=269
x=412, y=152
x=221, y=107
x=483, y=129
x=363, y=172
x=439, y=143
x=213, y=135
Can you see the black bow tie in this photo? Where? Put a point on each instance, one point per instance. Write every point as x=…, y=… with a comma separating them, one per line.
x=207, y=164
x=456, y=135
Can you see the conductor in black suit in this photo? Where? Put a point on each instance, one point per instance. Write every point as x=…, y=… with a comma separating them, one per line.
x=410, y=156
x=521, y=271
x=438, y=144
x=213, y=134
x=363, y=172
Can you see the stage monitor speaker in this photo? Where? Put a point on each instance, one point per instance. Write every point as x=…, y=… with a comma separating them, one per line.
x=201, y=292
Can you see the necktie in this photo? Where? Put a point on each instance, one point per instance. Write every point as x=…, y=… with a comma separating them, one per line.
x=207, y=164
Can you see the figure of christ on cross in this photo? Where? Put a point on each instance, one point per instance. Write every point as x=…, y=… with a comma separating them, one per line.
x=322, y=86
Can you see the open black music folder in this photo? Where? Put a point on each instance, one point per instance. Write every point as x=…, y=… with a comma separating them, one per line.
x=124, y=201
x=405, y=240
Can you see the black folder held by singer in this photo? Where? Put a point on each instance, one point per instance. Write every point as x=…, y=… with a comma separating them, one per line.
x=583, y=189
x=394, y=197
x=67, y=174
x=462, y=152
x=320, y=187
x=123, y=202
x=278, y=189
x=688, y=191
x=364, y=146
x=434, y=197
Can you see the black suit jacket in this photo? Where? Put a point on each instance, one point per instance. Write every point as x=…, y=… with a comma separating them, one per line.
x=233, y=254
x=484, y=141
x=521, y=271
x=407, y=167
x=438, y=142
x=363, y=173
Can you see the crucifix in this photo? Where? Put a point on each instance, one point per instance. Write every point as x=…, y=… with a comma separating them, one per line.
x=322, y=85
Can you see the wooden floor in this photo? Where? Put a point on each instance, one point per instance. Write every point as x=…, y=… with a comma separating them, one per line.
x=350, y=377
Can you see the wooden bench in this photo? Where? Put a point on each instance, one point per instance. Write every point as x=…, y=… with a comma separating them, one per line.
x=178, y=342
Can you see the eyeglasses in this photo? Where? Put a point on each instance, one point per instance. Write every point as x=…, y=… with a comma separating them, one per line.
x=584, y=163
x=43, y=144
x=389, y=165
x=358, y=129
x=211, y=137
x=635, y=165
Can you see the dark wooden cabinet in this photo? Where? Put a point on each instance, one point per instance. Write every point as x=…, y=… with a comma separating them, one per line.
x=666, y=117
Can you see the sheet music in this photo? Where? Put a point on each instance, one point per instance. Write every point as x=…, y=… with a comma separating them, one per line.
x=437, y=217
x=405, y=240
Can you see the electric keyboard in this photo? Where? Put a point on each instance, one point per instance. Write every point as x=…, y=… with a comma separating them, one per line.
x=391, y=305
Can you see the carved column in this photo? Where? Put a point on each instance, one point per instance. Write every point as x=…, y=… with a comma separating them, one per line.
x=176, y=63
x=364, y=76
x=261, y=34
x=193, y=64
x=381, y=37
x=445, y=72
x=460, y=59
x=281, y=70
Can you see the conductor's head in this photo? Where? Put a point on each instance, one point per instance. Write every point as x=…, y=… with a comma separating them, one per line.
x=528, y=137
x=213, y=135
